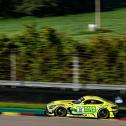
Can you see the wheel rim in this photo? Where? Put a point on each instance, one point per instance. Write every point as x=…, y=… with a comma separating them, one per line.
x=61, y=112
x=103, y=113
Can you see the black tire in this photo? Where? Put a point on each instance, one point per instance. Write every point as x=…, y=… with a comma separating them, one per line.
x=103, y=113
x=60, y=111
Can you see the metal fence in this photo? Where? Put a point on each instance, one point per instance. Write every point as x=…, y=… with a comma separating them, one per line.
x=73, y=86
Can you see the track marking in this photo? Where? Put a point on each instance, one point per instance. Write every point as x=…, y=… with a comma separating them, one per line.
x=10, y=113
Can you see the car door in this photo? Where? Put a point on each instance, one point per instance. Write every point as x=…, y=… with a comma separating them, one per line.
x=87, y=107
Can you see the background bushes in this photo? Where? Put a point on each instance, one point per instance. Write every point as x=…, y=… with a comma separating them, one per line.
x=46, y=55
x=103, y=60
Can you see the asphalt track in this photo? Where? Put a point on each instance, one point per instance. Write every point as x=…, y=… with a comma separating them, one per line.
x=54, y=121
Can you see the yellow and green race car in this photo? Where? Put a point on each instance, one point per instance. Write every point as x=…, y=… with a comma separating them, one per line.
x=86, y=106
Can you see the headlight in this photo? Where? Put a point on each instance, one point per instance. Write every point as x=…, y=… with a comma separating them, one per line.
x=114, y=107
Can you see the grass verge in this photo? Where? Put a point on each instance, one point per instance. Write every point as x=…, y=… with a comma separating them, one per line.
x=74, y=25
x=22, y=105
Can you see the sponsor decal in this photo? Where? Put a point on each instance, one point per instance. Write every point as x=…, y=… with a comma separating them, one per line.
x=80, y=109
x=86, y=109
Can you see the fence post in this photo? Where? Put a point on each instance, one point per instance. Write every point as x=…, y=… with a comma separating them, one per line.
x=98, y=13
x=75, y=69
x=13, y=64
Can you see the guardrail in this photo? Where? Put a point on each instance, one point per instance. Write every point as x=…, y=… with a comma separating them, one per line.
x=73, y=86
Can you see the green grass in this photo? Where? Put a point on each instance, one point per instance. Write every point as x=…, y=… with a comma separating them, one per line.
x=74, y=25
x=122, y=108
x=22, y=105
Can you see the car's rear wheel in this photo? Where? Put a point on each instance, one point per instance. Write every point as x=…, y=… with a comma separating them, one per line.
x=103, y=113
x=60, y=111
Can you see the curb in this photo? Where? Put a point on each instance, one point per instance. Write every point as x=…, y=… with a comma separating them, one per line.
x=19, y=114
x=44, y=115
x=122, y=119
x=10, y=113
x=40, y=112
x=22, y=112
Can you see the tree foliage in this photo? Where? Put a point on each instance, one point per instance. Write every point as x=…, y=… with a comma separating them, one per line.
x=47, y=55
x=44, y=55
x=104, y=61
x=53, y=7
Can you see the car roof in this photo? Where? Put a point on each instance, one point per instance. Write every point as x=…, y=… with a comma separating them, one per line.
x=92, y=97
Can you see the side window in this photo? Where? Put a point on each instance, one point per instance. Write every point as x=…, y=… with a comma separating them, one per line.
x=87, y=102
x=79, y=100
x=98, y=102
x=92, y=102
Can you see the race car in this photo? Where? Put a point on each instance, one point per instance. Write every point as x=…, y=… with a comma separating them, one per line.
x=86, y=106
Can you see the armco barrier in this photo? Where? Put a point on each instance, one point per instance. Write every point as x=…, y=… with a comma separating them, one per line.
x=22, y=111
x=73, y=86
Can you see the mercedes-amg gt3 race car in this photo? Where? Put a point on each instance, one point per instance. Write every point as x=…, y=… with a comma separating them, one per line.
x=86, y=106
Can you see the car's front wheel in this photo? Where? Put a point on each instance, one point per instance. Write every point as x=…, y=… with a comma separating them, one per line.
x=103, y=113
x=60, y=111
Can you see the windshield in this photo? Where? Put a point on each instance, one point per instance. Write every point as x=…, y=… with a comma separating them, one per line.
x=79, y=100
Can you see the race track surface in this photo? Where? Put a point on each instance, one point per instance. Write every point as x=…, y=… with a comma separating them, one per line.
x=54, y=121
